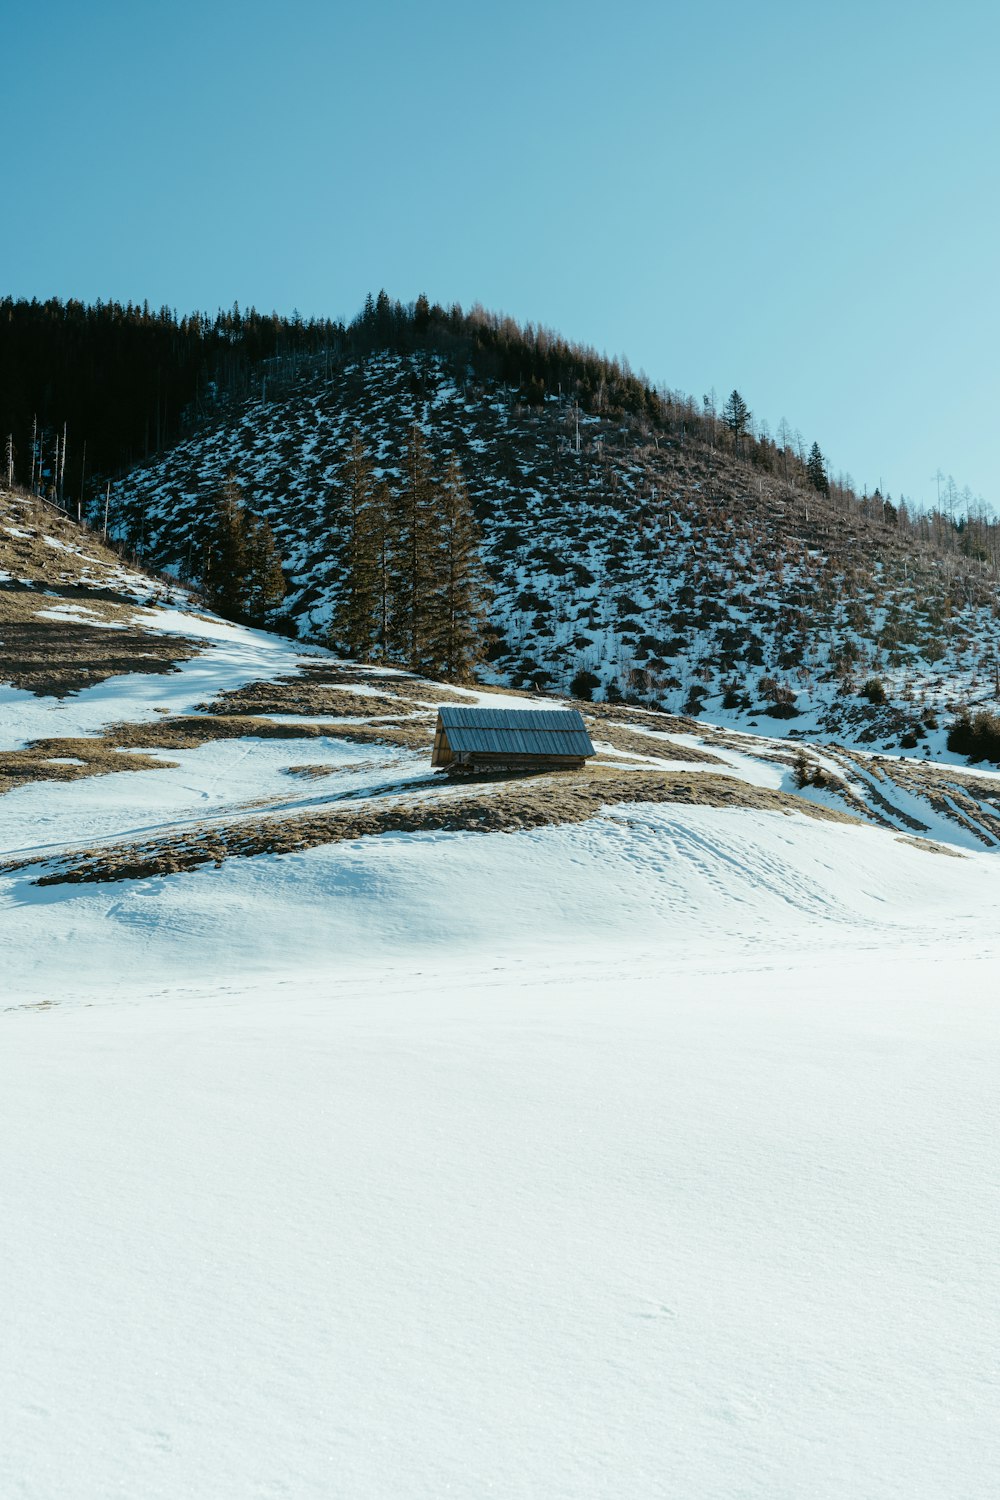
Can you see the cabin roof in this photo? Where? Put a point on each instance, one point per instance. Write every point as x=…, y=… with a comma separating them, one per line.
x=515, y=731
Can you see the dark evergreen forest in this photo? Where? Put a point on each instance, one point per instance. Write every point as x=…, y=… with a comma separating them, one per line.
x=88, y=391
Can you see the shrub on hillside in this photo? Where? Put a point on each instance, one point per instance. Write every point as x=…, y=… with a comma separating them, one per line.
x=583, y=685
x=874, y=690
x=976, y=736
x=778, y=693
x=810, y=773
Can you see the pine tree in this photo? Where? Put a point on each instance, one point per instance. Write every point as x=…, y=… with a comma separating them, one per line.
x=265, y=579
x=383, y=554
x=816, y=470
x=414, y=541
x=736, y=415
x=241, y=568
x=462, y=593
x=224, y=553
x=421, y=313
x=359, y=621
x=414, y=587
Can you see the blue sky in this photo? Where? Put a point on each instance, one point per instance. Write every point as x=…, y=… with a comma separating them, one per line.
x=798, y=200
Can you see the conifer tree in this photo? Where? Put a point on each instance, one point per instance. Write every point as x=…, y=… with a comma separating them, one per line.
x=357, y=623
x=414, y=586
x=462, y=592
x=224, y=555
x=383, y=554
x=415, y=542
x=736, y=414
x=816, y=470
x=265, y=579
x=241, y=567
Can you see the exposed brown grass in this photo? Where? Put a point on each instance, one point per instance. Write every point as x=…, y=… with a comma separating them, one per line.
x=319, y=771
x=324, y=688
x=928, y=846
x=26, y=554
x=648, y=743
x=968, y=800
x=102, y=753
x=631, y=714
x=512, y=806
x=302, y=695
x=57, y=657
x=70, y=760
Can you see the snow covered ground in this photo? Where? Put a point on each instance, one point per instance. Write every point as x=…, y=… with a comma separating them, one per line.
x=654, y=1156
x=649, y=1156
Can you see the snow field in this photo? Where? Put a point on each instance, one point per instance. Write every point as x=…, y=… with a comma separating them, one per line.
x=519, y=1228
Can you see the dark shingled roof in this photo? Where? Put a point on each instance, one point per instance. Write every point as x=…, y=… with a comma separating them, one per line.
x=515, y=731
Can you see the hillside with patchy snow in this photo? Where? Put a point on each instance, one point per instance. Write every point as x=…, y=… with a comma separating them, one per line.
x=674, y=575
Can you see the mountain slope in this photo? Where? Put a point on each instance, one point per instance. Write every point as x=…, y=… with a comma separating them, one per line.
x=673, y=573
x=210, y=734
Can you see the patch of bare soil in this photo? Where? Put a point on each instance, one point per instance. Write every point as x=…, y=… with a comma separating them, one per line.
x=508, y=807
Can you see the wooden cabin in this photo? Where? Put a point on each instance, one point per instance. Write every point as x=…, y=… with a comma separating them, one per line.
x=509, y=739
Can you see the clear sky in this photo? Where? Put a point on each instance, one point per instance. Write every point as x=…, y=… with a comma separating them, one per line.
x=797, y=199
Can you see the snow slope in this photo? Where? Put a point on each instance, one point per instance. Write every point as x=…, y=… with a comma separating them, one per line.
x=653, y=1155
x=593, y=1221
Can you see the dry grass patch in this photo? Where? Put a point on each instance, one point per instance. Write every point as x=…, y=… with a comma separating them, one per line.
x=649, y=743
x=928, y=846
x=25, y=522
x=324, y=689
x=69, y=760
x=317, y=771
x=53, y=658
x=301, y=695
x=50, y=759
x=640, y=718
x=499, y=807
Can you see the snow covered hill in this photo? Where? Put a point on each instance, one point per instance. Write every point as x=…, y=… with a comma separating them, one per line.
x=622, y=1132
x=669, y=572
